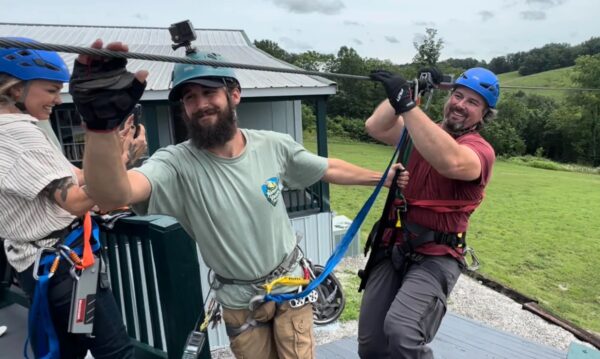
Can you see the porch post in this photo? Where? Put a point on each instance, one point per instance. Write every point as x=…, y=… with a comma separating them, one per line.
x=322, y=147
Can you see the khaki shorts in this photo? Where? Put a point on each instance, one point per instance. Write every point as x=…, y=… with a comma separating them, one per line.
x=289, y=334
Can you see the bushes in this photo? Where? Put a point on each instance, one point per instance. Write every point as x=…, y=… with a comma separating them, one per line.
x=337, y=126
x=546, y=164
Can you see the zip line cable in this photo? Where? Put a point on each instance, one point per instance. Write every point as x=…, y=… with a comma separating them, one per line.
x=7, y=43
x=508, y=87
x=161, y=58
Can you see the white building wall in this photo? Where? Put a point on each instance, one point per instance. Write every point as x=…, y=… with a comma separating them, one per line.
x=279, y=116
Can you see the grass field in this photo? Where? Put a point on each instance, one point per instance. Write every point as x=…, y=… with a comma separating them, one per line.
x=537, y=231
x=553, y=78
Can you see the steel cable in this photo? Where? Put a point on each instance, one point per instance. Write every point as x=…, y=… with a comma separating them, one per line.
x=7, y=43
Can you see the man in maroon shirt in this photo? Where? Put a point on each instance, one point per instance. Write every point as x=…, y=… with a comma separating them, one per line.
x=420, y=258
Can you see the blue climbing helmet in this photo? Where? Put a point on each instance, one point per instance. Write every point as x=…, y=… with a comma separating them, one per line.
x=208, y=76
x=26, y=64
x=482, y=81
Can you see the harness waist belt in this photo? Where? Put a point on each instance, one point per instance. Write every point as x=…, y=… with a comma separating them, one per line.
x=61, y=234
x=419, y=235
x=281, y=269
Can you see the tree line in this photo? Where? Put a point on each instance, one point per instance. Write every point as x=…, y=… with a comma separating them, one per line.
x=566, y=130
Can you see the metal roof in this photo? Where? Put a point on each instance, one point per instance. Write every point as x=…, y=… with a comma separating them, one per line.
x=234, y=45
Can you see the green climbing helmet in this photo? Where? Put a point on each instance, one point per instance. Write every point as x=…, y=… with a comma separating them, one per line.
x=208, y=76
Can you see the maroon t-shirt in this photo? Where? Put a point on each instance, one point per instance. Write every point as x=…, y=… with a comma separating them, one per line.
x=427, y=184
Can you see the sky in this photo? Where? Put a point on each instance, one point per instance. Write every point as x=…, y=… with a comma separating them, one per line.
x=384, y=29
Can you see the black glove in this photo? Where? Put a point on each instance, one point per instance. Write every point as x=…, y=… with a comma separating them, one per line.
x=104, y=92
x=436, y=75
x=398, y=90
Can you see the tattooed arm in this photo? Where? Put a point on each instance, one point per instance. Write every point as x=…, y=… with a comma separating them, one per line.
x=134, y=147
x=69, y=196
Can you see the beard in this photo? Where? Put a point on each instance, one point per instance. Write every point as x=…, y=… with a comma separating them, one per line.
x=205, y=136
x=455, y=128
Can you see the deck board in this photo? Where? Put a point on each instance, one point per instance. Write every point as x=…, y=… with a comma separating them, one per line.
x=460, y=338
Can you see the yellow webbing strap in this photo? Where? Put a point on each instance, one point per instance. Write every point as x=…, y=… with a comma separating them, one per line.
x=288, y=281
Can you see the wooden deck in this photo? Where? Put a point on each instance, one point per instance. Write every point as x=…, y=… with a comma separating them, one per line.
x=458, y=338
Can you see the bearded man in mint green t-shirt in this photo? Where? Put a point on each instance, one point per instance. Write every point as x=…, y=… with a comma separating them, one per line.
x=224, y=186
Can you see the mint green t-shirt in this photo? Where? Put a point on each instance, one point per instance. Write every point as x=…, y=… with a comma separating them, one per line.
x=233, y=207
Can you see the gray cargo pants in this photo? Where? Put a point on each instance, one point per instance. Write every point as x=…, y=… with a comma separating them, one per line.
x=400, y=315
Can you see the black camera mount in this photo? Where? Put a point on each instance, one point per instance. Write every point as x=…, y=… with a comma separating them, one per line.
x=182, y=34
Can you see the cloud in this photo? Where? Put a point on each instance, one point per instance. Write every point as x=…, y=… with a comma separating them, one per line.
x=352, y=23
x=546, y=3
x=327, y=7
x=507, y=4
x=294, y=45
x=533, y=15
x=391, y=39
x=139, y=16
x=357, y=41
x=485, y=15
x=424, y=23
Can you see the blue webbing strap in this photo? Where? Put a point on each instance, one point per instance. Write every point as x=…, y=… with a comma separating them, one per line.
x=39, y=321
x=341, y=248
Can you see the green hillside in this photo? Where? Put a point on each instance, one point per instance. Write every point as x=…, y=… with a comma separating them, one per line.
x=553, y=78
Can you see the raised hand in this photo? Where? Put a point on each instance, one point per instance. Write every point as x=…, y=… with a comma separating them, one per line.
x=103, y=91
x=398, y=90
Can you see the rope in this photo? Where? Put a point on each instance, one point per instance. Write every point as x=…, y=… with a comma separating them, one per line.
x=6, y=43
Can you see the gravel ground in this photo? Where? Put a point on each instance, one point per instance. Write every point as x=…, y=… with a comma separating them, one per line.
x=470, y=299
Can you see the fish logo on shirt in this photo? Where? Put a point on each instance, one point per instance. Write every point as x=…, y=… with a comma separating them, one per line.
x=271, y=190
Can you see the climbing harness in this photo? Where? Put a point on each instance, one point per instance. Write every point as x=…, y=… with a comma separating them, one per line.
x=412, y=236
x=82, y=259
x=217, y=281
x=297, y=302
x=396, y=206
x=285, y=281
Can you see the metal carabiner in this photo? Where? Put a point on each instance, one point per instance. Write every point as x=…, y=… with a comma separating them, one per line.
x=69, y=255
x=256, y=302
x=474, y=260
x=38, y=258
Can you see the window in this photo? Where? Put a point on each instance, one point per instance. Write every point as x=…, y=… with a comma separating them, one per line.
x=67, y=124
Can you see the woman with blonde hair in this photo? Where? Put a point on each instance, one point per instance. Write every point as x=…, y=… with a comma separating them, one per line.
x=42, y=201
